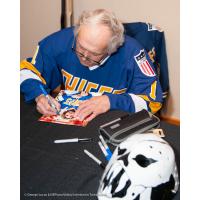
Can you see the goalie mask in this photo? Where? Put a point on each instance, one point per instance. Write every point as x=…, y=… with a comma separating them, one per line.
x=142, y=168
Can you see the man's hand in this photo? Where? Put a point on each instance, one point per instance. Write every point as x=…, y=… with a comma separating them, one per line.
x=89, y=109
x=43, y=105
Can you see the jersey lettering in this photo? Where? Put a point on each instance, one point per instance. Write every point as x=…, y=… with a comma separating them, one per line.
x=70, y=83
x=91, y=86
x=82, y=85
x=75, y=83
x=103, y=89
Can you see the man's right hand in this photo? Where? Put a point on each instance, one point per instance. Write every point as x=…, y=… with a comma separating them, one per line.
x=43, y=105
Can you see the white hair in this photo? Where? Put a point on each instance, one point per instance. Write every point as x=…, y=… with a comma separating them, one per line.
x=107, y=18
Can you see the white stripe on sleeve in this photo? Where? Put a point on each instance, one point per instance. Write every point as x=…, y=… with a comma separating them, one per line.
x=139, y=102
x=28, y=74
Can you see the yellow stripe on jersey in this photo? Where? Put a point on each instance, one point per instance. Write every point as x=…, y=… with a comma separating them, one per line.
x=120, y=91
x=154, y=106
x=145, y=97
x=27, y=65
x=35, y=54
x=153, y=90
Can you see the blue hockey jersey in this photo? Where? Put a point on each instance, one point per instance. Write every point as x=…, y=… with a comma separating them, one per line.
x=127, y=77
x=153, y=40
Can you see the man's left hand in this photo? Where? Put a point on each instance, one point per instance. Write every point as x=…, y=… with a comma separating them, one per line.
x=90, y=108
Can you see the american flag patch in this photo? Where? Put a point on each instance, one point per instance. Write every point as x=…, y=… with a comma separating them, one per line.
x=143, y=64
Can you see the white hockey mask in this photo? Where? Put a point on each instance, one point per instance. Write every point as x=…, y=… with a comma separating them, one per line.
x=142, y=168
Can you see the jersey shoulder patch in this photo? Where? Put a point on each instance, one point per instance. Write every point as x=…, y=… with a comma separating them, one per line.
x=143, y=64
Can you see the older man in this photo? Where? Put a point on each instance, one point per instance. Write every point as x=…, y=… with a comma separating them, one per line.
x=93, y=56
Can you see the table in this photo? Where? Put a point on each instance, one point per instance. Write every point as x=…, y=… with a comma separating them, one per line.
x=63, y=171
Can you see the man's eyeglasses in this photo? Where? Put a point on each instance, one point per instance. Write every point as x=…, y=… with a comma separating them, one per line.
x=80, y=54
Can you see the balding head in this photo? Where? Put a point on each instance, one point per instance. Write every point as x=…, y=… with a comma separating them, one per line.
x=95, y=38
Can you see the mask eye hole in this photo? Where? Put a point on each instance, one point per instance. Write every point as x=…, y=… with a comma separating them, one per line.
x=143, y=161
x=121, y=151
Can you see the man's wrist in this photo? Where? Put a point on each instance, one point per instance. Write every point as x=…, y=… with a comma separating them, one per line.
x=38, y=97
x=108, y=101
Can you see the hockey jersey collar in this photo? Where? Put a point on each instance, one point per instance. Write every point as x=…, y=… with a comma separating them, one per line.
x=97, y=66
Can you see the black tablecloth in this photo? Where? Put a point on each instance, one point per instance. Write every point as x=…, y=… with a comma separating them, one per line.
x=63, y=171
